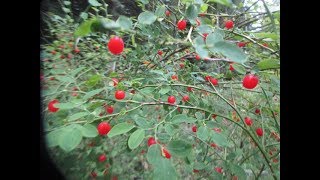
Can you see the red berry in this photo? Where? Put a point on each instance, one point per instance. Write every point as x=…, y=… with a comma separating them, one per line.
x=151, y=141
x=116, y=45
x=119, y=95
x=194, y=128
x=202, y=14
x=182, y=24
x=214, y=116
x=51, y=104
x=250, y=81
x=265, y=45
x=109, y=109
x=207, y=78
x=76, y=50
x=218, y=169
x=229, y=24
x=114, y=178
x=168, y=13
x=93, y=174
x=198, y=57
x=234, y=177
x=53, y=52
x=259, y=132
x=257, y=111
x=189, y=89
x=181, y=65
x=231, y=67
x=171, y=99
x=248, y=121
x=102, y=158
x=160, y=52
x=166, y=153
x=174, y=77
x=213, y=145
x=218, y=130
x=214, y=81
x=198, y=22
x=75, y=88
x=185, y=98
x=115, y=81
x=69, y=56
x=74, y=94
x=104, y=128
x=241, y=44
x=205, y=36
x=52, y=78
x=62, y=56
x=61, y=46
x=132, y=91
x=195, y=170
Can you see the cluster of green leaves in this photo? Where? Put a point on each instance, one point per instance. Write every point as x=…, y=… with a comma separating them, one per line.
x=145, y=112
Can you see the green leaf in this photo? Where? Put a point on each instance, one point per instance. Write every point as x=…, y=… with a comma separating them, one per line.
x=89, y=130
x=273, y=36
x=223, y=2
x=238, y=171
x=198, y=115
x=170, y=129
x=179, y=118
x=78, y=116
x=162, y=167
x=142, y=122
x=94, y=3
x=93, y=80
x=164, y=170
x=219, y=139
x=147, y=17
x=73, y=73
x=136, y=138
x=179, y=148
x=66, y=10
x=213, y=38
x=67, y=3
x=70, y=139
x=160, y=11
x=84, y=15
x=192, y=11
x=268, y=64
x=204, y=29
x=199, y=165
x=120, y=129
x=165, y=90
x=231, y=51
x=204, y=7
x=53, y=138
x=200, y=47
x=203, y=133
x=64, y=106
x=154, y=154
x=84, y=28
x=239, y=68
x=124, y=22
x=144, y=1
x=91, y=93
x=65, y=79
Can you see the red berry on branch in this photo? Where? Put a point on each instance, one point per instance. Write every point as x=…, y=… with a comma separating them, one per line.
x=168, y=13
x=250, y=81
x=259, y=132
x=103, y=128
x=194, y=128
x=102, y=158
x=198, y=57
x=214, y=81
x=109, y=109
x=51, y=106
x=171, y=99
x=160, y=52
x=248, y=121
x=166, y=153
x=182, y=24
x=241, y=44
x=229, y=24
x=151, y=141
x=218, y=169
x=185, y=98
x=120, y=94
x=116, y=45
